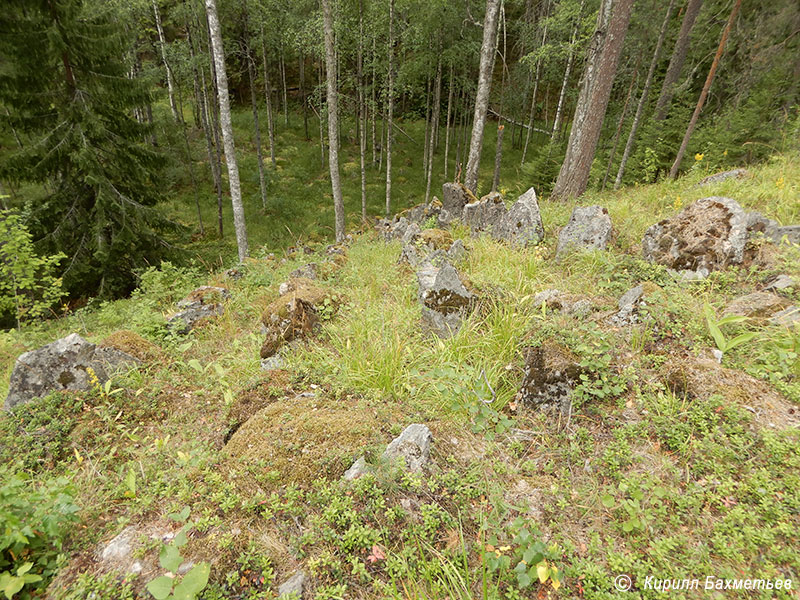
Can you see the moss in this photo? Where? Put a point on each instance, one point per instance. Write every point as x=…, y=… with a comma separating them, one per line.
x=304, y=439
x=438, y=238
x=132, y=343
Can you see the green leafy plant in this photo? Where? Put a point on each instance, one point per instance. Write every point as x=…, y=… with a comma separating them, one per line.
x=28, y=286
x=33, y=521
x=724, y=344
x=171, y=586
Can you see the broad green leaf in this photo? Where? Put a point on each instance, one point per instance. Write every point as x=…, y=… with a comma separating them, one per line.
x=180, y=516
x=193, y=582
x=180, y=539
x=607, y=500
x=195, y=364
x=24, y=569
x=741, y=339
x=543, y=571
x=160, y=587
x=170, y=558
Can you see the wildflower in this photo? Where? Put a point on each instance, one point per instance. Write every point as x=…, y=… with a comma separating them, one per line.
x=780, y=183
x=698, y=157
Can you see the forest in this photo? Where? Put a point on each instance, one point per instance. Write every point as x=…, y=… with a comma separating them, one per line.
x=419, y=299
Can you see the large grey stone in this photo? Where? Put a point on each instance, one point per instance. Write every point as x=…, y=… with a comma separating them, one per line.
x=412, y=446
x=63, y=365
x=443, y=297
x=484, y=214
x=720, y=177
x=455, y=197
x=589, y=227
x=755, y=305
x=522, y=224
x=709, y=234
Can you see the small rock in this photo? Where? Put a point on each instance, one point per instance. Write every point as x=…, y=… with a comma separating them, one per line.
x=755, y=305
x=357, y=469
x=444, y=299
x=522, y=224
x=629, y=304
x=308, y=271
x=549, y=376
x=292, y=315
x=484, y=214
x=717, y=354
x=63, y=365
x=788, y=316
x=720, y=177
x=201, y=303
x=550, y=297
x=457, y=252
x=412, y=445
x=781, y=282
x=412, y=233
x=294, y=586
x=589, y=227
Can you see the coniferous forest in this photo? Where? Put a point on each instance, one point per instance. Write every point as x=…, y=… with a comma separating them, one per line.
x=399, y=298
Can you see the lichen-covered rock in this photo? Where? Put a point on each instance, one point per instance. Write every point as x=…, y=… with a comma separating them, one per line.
x=438, y=239
x=444, y=298
x=484, y=214
x=201, y=303
x=787, y=316
x=720, y=177
x=757, y=305
x=589, y=228
x=293, y=314
x=412, y=446
x=133, y=344
x=293, y=587
x=307, y=271
x=781, y=283
x=549, y=376
x=629, y=305
x=63, y=365
x=455, y=197
x=522, y=224
x=567, y=303
x=709, y=234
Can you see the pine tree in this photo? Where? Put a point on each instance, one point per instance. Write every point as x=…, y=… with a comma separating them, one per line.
x=66, y=86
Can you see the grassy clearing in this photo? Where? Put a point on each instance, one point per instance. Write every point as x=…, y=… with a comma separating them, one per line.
x=644, y=477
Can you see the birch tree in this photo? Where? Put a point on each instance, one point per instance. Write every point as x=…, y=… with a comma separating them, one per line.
x=227, y=130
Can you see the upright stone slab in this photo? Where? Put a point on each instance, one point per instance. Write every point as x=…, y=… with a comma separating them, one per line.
x=455, y=197
x=484, y=214
x=522, y=224
x=589, y=228
x=444, y=299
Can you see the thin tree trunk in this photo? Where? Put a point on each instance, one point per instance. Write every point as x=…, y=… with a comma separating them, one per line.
x=216, y=127
x=562, y=95
x=437, y=101
x=227, y=131
x=427, y=124
x=533, y=95
x=390, y=92
x=213, y=152
x=702, y=100
x=283, y=87
x=677, y=59
x=643, y=98
x=268, y=98
x=447, y=121
x=251, y=75
x=162, y=45
x=573, y=178
x=498, y=157
x=482, y=94
x=374, y=106
x=333, y=117
x=321, y=127
x=618, y=133
x=303, y=94
x=362, y=112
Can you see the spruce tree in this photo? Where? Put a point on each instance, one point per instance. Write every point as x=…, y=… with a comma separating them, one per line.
x=66, y=85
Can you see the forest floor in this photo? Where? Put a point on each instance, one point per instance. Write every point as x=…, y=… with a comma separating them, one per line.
x=645, y=477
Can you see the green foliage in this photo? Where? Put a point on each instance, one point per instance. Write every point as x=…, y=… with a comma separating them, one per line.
x=28, y=287
x=724, y=344
x=172, y=586
x=34, y=519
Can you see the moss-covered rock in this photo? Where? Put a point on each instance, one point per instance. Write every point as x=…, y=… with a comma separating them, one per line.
x=132, y=343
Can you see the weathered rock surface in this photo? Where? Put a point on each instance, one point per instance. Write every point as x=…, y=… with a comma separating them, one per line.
x=589, y=228
x=629, y=305
x=787, y=316
x=308, y=271
x=413, y=446
x=63, y=365
x=707, y=235
x=484, y=214
x=549, y=376
x=757, y=305
x=455, y=197
x=202, y=303
x=522, y=224
x=294, y=586
x=444, y=298
x=566, y=303
x=781, y=282
x=720, y=177
x=293, y=314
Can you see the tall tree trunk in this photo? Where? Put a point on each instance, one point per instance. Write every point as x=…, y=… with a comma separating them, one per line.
x=374, y=106
x=427, y=124
x=702, y=100
x=535, y=91
x=215, y=121
x=162, y=45
x=573, y=177
x=268, y=98
x=227, y=130
x=437, y=101
x=282, y=66
x=482, y=94
x=677, y=59
x=643, y=98
x=390, y=109
x=362, y=112
x=498, y=157
x=321, y=126
x=333, y=119
x=447, y=121
x=562, y=95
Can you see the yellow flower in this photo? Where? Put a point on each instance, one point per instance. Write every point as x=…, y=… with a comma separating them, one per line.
x=725, y=153
x=678, y=203
x=698, y=157
x=780, y=183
